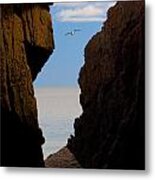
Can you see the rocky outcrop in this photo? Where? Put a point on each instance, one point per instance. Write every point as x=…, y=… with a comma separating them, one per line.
x=62, y=159
x=110, y=131
x=26, y=41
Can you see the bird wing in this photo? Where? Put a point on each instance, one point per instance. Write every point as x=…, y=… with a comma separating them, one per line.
x=75, y=30
x=68, y=33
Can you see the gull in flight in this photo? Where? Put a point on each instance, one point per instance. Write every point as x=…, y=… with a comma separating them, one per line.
x=72, y=33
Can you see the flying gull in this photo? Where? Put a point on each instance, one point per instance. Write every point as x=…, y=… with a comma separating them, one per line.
x=72, y=33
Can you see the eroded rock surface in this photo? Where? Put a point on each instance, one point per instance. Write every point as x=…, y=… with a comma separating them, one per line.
x=62, y=159
x=26, y=41
x=110, y=132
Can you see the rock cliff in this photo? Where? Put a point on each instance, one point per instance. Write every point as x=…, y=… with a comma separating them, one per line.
x=26, y=41
x=110, y=131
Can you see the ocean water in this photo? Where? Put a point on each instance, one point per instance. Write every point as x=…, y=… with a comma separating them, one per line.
x=57, y=109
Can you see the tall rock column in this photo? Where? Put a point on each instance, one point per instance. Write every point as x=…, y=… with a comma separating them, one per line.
x=26, y=41
x=110, y=132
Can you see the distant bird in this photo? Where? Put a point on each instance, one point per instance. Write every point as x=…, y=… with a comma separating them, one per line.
x=72, y=33
x=76, y=30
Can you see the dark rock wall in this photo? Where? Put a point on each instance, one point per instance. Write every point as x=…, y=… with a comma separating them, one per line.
x=110, y=132
x=26, y=41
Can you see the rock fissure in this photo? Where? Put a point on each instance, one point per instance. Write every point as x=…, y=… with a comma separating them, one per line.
x=110, y=131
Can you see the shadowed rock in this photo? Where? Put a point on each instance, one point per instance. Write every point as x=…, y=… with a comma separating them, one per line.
x=62, y=159
x=110, y=132
x=26, y=41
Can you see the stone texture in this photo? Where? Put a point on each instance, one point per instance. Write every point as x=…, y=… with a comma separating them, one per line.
x=110, y=132
x=26, y=41
x=62, y=159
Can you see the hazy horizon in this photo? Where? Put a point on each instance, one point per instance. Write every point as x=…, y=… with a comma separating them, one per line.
x=57, y=109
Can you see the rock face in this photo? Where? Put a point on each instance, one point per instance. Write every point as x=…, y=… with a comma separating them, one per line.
x=26, y=41
x=110, y=132
x=62, y=159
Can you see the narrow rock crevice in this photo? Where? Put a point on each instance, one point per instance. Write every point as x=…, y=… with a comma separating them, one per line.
x=110, y=132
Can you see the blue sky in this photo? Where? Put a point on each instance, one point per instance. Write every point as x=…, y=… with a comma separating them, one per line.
x=64, y=64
